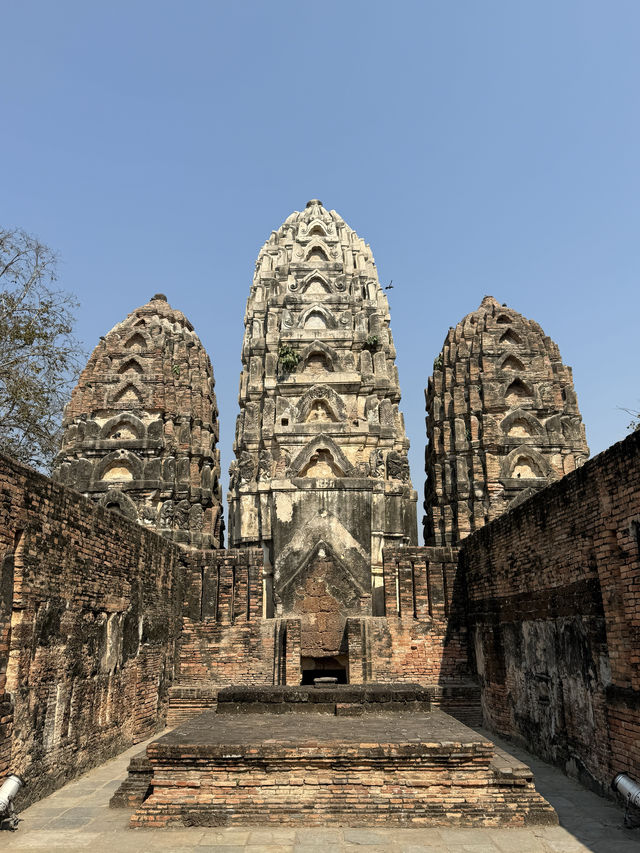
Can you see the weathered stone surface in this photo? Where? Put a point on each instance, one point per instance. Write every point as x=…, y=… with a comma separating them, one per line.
x=503, y=421
x=423, y=637
x=141, y=429
x=321, y=479
x=554, y=614
x=99, y=615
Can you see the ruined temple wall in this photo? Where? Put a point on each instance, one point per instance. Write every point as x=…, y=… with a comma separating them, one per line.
x=224, y=638
x=554, y=613
x=88, y=630
x=6, y=601
x=423, y=636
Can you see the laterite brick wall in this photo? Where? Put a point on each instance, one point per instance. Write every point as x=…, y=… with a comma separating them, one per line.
x=554, y=612
x=224, y=638
x=424, y=636
x=89, y=618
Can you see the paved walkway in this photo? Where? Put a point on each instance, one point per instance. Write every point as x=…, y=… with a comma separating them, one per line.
x=77, y=817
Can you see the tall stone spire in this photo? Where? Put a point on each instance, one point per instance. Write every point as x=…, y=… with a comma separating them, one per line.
x=503, y=421
x=140, y=431
x=321, y=471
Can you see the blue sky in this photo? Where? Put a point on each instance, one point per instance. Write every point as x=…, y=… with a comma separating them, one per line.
x=479, y=147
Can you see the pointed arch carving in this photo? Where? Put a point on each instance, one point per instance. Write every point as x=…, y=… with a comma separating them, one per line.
x=316, y=250
x=321, y=442
x=318, y=347
x=326, y=531
x=333, y=555
x=318, y=309
x=126, y=420
x=123, y=459
x=129, y=390
x=139, y=338
x=117, y=501
x=317, y=227
x=132, y=364
x=517, y=389
x=503, y=319
x=320, y=392
x=511, y=362
x=534, y=425
x=526, y=457
x=309, y=279
x=510, y=337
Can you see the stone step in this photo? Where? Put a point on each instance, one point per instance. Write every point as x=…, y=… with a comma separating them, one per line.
x=189, y=700
x=460, y=699
x=137, y=784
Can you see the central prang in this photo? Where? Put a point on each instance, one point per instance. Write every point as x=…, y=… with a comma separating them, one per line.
x=321, y=479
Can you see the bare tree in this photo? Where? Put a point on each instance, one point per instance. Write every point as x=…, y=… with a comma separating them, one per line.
x=634, y=424
x=39, y=355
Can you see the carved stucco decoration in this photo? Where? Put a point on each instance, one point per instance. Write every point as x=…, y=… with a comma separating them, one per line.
x=140, y=431
x=503, y=421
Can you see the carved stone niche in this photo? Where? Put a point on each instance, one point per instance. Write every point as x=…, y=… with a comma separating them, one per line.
x=398, y=466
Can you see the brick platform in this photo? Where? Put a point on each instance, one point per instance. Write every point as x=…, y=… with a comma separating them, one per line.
x=461, y=700
x=314, y=769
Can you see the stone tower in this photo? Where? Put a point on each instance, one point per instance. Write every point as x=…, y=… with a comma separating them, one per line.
x=502, y=421
x=140, y=432
x=321, y=478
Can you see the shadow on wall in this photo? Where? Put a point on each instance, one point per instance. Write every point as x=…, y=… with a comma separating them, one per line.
x=553, y=590
x=89, y=619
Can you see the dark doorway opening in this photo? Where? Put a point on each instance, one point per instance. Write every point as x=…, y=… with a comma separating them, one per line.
x=329, y=667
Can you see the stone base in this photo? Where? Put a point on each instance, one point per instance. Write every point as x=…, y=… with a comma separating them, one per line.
x=337, y=699
x=460, y=699
x=317, y=769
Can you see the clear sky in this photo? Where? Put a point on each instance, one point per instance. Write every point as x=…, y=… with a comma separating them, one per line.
x=480, y=148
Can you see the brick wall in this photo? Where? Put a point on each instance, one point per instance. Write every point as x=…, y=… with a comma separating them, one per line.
x=554, y=611
x=6, y=600
x=423, y=637
x=224, y=638
x=89, y=617
x=225, y=641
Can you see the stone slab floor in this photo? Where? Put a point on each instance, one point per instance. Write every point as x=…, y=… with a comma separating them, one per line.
x=77, y=817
